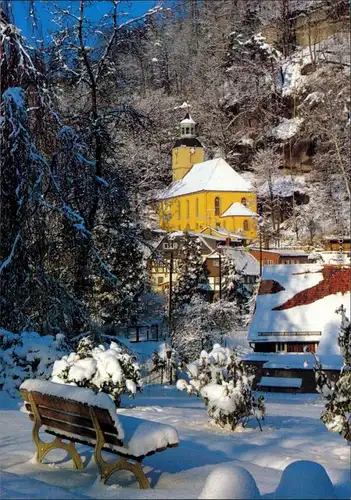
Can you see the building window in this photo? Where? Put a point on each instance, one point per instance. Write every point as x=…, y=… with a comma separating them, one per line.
x=243, y=201
x=160, y=280
x=197, y=207
x=217, y=206
x=170, y=245
x=280, y=347
x=215, y=263
x=187, y=227
x=187, y=130
x=187, y=209
x=270, y=262
x=179, y=211
x=246, y=225
x=224, y=225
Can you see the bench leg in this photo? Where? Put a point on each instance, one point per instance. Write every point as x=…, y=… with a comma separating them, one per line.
x=44, y=448
x=107, y=469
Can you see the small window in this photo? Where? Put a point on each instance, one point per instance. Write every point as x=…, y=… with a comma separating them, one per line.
x=170, y=245
x=215, y=263
x=270, y=262
x=187, y=209
x=244, y=201
x=217, y=206
x=187, y=227
x=246, y=225
x=187, y=130
x=280, y=347
x=224, y=225
x=197, y=207
x=160, y=280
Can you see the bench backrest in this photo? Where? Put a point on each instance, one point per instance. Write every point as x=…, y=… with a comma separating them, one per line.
x=71, y=417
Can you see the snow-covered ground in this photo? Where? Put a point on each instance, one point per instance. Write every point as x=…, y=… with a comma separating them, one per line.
x=292, y=432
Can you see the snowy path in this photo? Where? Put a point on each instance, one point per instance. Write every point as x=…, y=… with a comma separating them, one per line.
x=292, y=432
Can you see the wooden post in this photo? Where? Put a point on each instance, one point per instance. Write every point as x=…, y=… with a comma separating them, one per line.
x=170, y=296
x=260, y=231
x=220, y=272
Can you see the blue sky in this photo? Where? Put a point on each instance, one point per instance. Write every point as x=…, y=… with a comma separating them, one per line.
x=20, y=10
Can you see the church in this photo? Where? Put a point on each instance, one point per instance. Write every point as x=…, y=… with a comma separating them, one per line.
x=205, y=196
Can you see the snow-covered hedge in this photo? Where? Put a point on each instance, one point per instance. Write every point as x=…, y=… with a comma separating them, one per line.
x=111, y=370
x=225, y=384
x=27, y=355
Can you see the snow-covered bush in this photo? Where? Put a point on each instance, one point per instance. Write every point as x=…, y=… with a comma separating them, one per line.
x=226, y=386
x=27, y=355
x=111, y=370
x=337, y=413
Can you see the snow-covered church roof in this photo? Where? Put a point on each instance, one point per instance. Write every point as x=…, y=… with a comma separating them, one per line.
x=211, y=175
x=236, y=209
x=298, y=302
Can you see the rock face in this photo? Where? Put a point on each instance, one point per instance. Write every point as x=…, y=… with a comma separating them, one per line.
x=305, y=479
x=230, y=482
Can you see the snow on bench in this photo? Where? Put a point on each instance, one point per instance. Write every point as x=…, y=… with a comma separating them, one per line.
x=79, y=415
x=291, y=383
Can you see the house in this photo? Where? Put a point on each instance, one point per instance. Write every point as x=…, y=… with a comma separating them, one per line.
x=245, y=264
x=205, y=193
x=294, y=320
x=280, y=256
x=295, y=307
x=339, y=244
x=159, y=260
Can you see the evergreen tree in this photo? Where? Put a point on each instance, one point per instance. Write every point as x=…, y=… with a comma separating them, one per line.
x=235, y=290
x=192, y=279
x=337, y=413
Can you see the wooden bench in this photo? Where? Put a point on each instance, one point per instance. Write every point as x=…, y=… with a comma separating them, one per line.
x=79, y=415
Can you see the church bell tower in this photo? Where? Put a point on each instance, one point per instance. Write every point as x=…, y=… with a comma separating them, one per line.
x=187, y=150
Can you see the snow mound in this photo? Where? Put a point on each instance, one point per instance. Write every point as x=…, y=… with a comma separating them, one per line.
x=230, y=482
x=305, y=479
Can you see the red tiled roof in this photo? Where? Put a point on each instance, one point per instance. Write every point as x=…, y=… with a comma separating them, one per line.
x=335, y=279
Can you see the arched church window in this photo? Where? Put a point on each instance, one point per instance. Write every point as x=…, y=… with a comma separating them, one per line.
x=197, y=207
x=179, y=211
x=246, y=225
x=217, y=206
x=244, y=201
x=187, y=209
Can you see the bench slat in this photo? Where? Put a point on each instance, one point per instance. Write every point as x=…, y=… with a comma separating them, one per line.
x=70, y=418
x=77, y=430
x=69, y=406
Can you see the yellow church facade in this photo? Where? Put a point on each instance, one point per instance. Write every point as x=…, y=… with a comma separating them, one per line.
x=205, y=195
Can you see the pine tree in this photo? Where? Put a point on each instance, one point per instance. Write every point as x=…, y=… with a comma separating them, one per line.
x=192, y=279
x=235, y=290
x=337, y=413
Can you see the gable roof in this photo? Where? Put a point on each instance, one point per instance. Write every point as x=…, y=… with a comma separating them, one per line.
x=236, y=209
x=245, y=263
x=298, y=302
x=211, y=175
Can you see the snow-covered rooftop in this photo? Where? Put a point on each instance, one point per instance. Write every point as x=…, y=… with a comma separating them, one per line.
x=236, y=209
x=298, y=302
x=211, y=175
x=286, y=252
x=245, y=263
